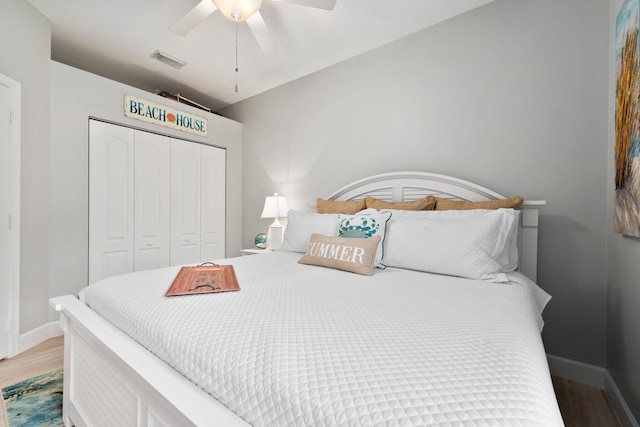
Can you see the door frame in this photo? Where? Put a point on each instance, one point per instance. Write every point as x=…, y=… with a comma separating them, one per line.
x=14, y=210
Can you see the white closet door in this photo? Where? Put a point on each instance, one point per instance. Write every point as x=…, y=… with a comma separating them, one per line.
x=152, y=201
x=185, y=202
x=111, y=156
x=213, y=203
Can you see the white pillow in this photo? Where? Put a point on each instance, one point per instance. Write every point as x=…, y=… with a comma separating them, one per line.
x=301, y=225
x=366, y=225
x=471, y=246
x=508, y=259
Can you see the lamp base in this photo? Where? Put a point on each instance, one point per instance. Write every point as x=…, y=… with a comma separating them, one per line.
x=276, y=232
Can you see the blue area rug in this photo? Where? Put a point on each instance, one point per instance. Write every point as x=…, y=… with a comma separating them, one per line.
x=35, y=402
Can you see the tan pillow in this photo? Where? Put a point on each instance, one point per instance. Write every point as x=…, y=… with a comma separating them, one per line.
x=426, y=204
x=335, y=206
x=448, y=205
x=354, y=254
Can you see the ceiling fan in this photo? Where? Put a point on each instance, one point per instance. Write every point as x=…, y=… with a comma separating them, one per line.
x=241, y=11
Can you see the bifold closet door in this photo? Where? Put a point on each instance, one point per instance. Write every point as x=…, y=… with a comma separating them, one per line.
x=152, y=201
x=185, y=202
x=213, y=166
x=129, y=209
x=198, y=202
x=111, y=195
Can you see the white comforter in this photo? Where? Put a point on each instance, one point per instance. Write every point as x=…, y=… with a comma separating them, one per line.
x=309, y=346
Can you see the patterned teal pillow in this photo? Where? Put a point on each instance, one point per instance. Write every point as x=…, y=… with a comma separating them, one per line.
x=365, y=226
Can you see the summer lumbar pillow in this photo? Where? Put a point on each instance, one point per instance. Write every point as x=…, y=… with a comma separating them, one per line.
x=472, y=247
x=366, y=226
x=342, y=253
x=301, y=225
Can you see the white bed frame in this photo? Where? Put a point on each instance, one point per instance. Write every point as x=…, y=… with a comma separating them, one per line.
x=109, y=379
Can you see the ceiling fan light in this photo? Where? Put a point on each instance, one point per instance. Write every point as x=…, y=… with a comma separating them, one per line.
x=238, y=9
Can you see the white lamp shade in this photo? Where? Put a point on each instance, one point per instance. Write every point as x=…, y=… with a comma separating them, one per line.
x=238, y=9
x=275, y=207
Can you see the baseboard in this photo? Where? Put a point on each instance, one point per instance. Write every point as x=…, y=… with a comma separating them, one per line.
x=38, y=335
x=619, y=405
x=594, y=376
x=579, y=372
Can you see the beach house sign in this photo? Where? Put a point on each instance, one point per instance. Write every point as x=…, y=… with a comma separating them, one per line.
x=150, y=112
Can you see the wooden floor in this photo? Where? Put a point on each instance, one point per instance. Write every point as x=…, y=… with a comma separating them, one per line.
x=38, y=360
x=581, y=406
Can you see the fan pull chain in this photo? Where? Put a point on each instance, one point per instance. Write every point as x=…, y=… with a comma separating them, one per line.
x=236, y=55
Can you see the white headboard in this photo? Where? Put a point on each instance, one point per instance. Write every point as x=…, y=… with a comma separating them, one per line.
x=408, y=186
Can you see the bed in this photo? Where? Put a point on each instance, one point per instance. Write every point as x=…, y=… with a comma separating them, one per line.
x=308, y=345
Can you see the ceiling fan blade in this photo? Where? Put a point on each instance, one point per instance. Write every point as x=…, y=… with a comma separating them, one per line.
x=193, y=17
x=318, y=4
x=261, y=32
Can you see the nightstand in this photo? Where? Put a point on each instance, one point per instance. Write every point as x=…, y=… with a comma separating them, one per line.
x=254, y=251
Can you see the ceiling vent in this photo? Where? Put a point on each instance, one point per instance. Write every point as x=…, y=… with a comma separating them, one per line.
x=166, y=59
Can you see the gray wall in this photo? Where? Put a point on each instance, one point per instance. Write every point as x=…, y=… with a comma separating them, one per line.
x=25, y=56
x=623, y=254
x=75, y=96
x=56, y=103
x=512, y=95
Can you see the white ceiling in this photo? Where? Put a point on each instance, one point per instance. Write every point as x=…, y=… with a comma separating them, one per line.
x=115, y=38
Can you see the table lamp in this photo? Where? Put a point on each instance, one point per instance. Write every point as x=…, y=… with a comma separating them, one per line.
x=275, y=207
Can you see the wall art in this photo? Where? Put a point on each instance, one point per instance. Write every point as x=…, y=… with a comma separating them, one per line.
x=627, y=115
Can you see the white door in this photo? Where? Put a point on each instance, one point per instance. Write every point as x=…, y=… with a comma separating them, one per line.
x=5, y=238
x=185, y=202
x=152, y=206
x=213, y=203
x=111, y=175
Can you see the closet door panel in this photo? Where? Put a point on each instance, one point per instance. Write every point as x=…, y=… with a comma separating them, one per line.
x=152, y=201
x=213, y=203
x=185, y=202
x=111, y=195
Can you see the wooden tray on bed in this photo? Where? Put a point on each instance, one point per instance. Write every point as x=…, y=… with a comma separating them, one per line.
x=204, y=279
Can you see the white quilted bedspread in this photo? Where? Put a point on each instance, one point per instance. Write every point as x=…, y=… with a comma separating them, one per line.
x=302, y=345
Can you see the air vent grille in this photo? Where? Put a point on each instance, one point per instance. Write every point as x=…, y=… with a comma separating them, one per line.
x=166, y=59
